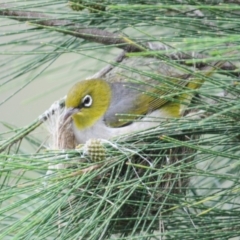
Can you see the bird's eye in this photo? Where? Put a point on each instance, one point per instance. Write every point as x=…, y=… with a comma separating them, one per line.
x=87, y=101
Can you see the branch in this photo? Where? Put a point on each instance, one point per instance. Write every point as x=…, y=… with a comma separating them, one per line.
x=41, y=20
x=92, y=34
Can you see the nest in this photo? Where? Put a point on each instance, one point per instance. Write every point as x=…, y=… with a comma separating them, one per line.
x=157, y=177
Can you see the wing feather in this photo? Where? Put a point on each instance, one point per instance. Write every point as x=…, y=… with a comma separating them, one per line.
x=129, y=100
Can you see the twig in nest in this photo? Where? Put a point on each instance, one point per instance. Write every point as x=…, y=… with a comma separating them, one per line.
x=81, y=171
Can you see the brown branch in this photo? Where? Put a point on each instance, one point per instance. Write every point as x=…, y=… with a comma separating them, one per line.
x=109, y=67
x=92, y=34
x=41, y=20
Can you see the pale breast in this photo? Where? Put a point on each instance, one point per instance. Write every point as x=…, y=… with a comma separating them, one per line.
x=101, y=131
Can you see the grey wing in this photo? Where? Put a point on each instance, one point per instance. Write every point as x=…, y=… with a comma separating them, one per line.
x=122, y=102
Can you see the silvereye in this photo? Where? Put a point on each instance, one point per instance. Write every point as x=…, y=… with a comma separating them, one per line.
x=96, y=105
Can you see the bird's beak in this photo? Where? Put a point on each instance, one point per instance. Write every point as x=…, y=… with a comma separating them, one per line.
x=69, y=112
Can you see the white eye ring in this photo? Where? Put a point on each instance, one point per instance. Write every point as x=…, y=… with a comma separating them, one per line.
x=87, y=101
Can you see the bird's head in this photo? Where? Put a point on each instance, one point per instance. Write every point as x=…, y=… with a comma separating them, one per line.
x=87, y=101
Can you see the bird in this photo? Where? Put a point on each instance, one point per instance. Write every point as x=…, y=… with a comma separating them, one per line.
x=102, y=109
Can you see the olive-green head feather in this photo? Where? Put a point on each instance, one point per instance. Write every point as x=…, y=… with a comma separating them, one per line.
x=87, y=101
